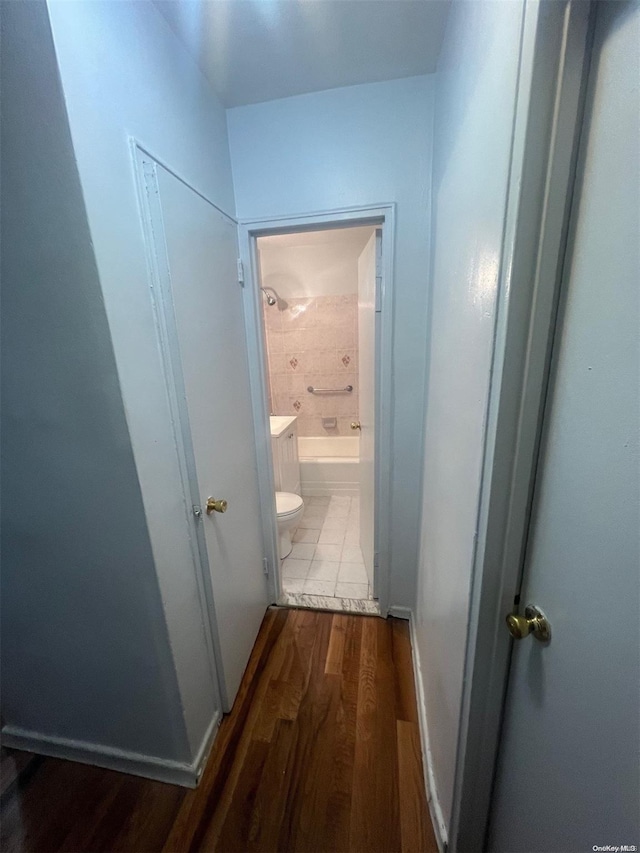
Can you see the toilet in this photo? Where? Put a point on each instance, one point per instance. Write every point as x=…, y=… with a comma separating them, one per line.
x=289, y=509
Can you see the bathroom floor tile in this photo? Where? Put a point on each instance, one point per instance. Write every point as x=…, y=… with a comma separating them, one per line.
x=331, y=537
x=319, y=587
x=352, y=537
x=352, y=573
x=331, y=523
x=351, y=554
x=304, y=534
x=338, y=500
x=323, y=570
x=293, y=584
x=302, y=551
x=313, y=522
x=293, y=568
x=349, y=590
x=328, y=552
x=338, y=511
x=317, y=501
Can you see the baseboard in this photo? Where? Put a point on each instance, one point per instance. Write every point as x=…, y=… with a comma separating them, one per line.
x=435, y=809
x=150, y=767
x=322, y=490
x=400, y=612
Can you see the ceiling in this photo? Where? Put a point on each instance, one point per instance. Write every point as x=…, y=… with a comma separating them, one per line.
x=260, y=50
x=351, y=239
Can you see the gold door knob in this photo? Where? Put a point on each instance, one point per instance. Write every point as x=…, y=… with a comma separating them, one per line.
x=533, y=622
x=355, y=425
x=214, y=505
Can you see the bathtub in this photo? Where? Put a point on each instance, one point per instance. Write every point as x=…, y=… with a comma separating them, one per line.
x=329, y=465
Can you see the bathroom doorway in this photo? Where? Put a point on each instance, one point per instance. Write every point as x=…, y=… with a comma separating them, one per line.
x=318, y=298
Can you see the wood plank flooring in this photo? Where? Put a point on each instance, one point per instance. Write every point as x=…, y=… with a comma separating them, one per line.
x=321, y=752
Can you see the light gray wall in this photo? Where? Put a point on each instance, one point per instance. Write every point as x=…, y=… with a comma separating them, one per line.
x=475, y=102
x=85, y=647
x=125, y=74
x=359, y=145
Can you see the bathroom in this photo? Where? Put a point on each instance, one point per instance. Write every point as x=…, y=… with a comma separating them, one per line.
x=319, y=352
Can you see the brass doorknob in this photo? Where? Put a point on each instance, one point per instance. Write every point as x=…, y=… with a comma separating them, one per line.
x=533, y=622
x=355, y=425
x=214, y=505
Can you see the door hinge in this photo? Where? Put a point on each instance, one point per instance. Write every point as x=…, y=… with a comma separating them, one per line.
x=376, y=560
x=240, y=273
x=378, y=293
x=265, y=566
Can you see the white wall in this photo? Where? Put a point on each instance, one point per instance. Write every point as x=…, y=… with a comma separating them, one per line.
x=85, y=647
x=124, y=73
x=360, y=145
x=475, y=102
x=313, y=263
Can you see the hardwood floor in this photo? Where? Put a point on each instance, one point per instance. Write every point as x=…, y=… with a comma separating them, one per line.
x=321, y=752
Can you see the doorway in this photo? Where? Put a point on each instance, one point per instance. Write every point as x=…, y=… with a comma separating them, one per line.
x=319, y=299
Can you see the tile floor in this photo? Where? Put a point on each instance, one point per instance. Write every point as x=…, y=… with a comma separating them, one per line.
x=326, y=558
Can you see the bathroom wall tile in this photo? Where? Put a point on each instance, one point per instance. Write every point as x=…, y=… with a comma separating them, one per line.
x=276, y=363
x=275, y=342
x=272, y=318
x=345, y=337
x=296, y=383
x=295, y=362
x=295, y=340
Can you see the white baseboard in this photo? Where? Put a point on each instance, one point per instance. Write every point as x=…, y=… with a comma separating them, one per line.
x=148, y=766
x=437, y=817
x=400, y=612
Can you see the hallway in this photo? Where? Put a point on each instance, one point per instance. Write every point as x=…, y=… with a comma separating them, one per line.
x=321, y=752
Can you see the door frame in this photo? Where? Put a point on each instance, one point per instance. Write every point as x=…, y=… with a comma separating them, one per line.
x=379, y=215
x=555, y=50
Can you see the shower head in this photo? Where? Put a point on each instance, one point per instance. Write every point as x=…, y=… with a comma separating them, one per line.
x=271, y=300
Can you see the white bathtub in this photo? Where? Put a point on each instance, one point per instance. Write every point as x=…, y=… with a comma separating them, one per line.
x=329, y=465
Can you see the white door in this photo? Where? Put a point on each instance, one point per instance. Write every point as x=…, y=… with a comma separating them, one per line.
x=569, y=763
x=201, y=249
x=368, y=263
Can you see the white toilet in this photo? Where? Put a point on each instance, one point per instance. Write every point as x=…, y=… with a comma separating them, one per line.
x=289, y=509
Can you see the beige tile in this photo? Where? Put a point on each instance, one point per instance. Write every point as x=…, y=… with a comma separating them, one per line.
x=304, y=534
x=318, y=500
x=352, y=573
x=350, y=590
x=319, y=587
x=332, y=522
x=292, y=568
x=302, y=551
x=331, y=537
x=329, y=551
x=338, y=511
x=323, y=570
x=351, y=554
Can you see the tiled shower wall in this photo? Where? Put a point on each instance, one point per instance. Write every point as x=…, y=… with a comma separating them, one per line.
x=314, y=341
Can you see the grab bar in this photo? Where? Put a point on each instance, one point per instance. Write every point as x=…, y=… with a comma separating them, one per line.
x=346, y=390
